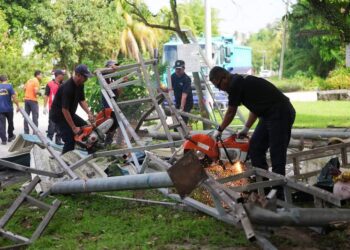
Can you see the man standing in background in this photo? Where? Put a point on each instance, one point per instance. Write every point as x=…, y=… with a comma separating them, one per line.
x=50, y=92
x=7, y=95
x=31, y=89
x=181, y=84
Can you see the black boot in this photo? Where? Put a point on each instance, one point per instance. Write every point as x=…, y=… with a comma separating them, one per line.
x=58, y=141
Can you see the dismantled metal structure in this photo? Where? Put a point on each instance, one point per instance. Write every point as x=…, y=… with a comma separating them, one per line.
x=184, y=172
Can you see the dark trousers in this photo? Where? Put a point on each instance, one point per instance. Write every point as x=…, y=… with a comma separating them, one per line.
x=67, y=133
x=3, y=117
x=31, y=107
x=52, y=129
x=272, y=132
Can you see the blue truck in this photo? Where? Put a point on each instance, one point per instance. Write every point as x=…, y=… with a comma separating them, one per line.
x=226, y=53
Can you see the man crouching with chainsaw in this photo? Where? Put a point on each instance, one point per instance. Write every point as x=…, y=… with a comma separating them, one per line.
x=64, y=106
x=264, y=101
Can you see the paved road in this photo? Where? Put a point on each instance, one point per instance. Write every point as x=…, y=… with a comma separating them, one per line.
x=19, y=124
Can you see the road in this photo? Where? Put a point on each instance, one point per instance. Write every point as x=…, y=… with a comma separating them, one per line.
x=18, y=121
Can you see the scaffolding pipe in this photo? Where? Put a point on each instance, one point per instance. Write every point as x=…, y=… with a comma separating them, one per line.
x=297, y=216
x=128, y=182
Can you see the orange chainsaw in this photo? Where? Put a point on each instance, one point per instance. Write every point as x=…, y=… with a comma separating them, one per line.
x=208, y=150
x=91, y=134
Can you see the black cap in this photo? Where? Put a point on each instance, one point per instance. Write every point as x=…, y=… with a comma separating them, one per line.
x=3, y=78
x=110, y=63
x=59, y=72
x=83, y=70
x=179, y=64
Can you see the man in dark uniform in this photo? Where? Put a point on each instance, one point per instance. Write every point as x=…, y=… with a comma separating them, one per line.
x=64, y=106
x=264, y=101
x=181, y=84
x=7, y=96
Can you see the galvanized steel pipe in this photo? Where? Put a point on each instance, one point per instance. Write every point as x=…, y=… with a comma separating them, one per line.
x=128, y=182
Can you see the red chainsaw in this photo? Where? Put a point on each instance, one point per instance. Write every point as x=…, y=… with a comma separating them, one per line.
x=91, y=134
x=208, y=150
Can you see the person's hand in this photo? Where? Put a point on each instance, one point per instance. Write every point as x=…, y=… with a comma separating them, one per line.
x=45, y=111
x=217, y=134
x=76, y=130
x=243, y=133
x=91, y=118
x=17, y=109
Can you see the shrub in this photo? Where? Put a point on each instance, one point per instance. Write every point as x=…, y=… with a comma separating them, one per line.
x=338, y=79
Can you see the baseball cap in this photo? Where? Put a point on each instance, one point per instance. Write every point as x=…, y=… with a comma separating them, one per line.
x=3, y=78
x=83, y=70
x=179, y=64
x=58, y=72
x=110, y=63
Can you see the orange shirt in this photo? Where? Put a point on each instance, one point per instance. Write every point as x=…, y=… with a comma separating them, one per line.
x=30, y=89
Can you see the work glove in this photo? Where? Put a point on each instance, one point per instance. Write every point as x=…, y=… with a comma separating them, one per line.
x=217, y=133
x=243, y=133
x=45, y=111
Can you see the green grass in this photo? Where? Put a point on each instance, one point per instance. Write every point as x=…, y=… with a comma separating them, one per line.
x=96, y=222
x=320, y=114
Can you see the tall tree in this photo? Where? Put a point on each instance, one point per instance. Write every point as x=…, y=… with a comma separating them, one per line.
x=266, y=47
x=16, y=67
x=317, y=36
x=170, y=23
x=137, y=37
x=78, y=30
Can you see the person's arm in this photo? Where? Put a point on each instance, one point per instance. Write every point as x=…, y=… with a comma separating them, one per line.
x=229, y=115
x=248, y=124
x=46, y=96
x=251, y=119
x=70, y=121
x=36, y=89
x=14, y=99
x=45, y=100
x=185, y=91
x=183, y=100
x=86, y=108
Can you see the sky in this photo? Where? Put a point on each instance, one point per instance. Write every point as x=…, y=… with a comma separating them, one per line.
x=245, y=16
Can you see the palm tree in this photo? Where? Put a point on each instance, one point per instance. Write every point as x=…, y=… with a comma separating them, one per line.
x=137, y=37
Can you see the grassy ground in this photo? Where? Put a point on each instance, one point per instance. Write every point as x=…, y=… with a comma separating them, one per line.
x=320, y=114
x=96, y=222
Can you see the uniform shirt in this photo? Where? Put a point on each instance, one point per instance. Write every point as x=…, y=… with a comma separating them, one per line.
x=257, y=94
x=6, y=93
x=51, y=90
x=30, y=89
x=68, y=96
x=181, y=85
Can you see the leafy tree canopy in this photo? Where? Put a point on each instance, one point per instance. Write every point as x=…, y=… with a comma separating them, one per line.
x=74, y=31
x=317, y=36
x=266, y=45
